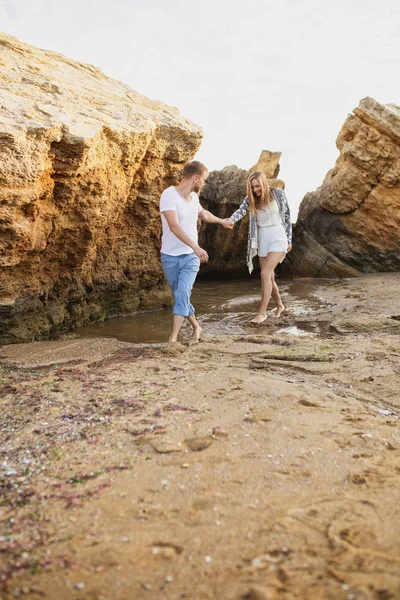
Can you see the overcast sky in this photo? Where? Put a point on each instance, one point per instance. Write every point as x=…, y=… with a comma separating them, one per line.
x=255, y=74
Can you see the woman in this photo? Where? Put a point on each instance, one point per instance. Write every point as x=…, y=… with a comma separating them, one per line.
x=270, y=236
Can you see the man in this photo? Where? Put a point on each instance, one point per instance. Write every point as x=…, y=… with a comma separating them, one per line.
x=181, y=254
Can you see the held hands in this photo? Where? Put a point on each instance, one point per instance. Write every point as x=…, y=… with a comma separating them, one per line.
x=227, y=223
x=201, y=254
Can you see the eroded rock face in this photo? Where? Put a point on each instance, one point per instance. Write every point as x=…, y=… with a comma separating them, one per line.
x=83, y=160
x=351, y=223
x=222, y=195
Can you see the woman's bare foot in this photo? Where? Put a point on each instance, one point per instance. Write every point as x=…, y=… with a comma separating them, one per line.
x=259, y=318
x=197, y=331
x=279, y=310
x=172, y=340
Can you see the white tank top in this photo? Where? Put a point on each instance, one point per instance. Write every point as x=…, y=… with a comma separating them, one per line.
x=269, y=215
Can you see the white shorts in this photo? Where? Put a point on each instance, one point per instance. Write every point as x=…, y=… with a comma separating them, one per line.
x=271, y=239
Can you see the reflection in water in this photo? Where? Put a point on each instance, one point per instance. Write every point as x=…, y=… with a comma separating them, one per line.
x=217, y=305
x=294, y=330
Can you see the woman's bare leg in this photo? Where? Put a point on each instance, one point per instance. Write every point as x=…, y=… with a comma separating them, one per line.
x=268, y=264
x=280, y=307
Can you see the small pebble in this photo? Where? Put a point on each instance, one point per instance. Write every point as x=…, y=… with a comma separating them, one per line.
x=169, y=553
x=146, y=586
x=169, y=579
x=79, y=586
x=208, y=559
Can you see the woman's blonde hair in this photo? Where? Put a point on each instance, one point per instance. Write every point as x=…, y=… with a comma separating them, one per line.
x=266, y=193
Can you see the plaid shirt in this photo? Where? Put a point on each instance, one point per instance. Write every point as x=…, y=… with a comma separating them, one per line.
x=252, y=240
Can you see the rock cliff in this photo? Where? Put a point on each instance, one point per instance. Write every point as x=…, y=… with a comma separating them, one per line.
x=83, y=160
x=351, y=224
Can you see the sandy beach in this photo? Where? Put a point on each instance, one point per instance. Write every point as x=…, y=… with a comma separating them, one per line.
x=259, y=466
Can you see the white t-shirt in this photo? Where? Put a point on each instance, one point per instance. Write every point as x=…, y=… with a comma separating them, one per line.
x=187, y=212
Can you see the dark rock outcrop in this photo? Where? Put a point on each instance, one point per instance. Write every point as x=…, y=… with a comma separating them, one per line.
x=222, y=195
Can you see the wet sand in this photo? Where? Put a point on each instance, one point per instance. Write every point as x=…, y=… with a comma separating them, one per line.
x=263, y=465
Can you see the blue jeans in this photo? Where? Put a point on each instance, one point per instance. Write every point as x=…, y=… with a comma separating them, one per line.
x=181, y=272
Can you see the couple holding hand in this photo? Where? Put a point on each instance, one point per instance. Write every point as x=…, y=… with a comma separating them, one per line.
x=270, y=236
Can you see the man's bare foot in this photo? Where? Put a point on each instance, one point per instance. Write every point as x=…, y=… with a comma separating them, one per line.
x=197, y=331
x=279, y=310
x=172, y=340
x=259, y=318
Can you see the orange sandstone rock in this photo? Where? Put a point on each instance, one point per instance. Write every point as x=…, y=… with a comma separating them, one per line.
x=83, y=160
x=351, y=223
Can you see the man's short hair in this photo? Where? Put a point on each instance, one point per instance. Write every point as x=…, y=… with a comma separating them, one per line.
x=195, y=167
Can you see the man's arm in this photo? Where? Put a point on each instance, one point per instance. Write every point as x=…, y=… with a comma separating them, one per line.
x=173, y=223
x=208, y=217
